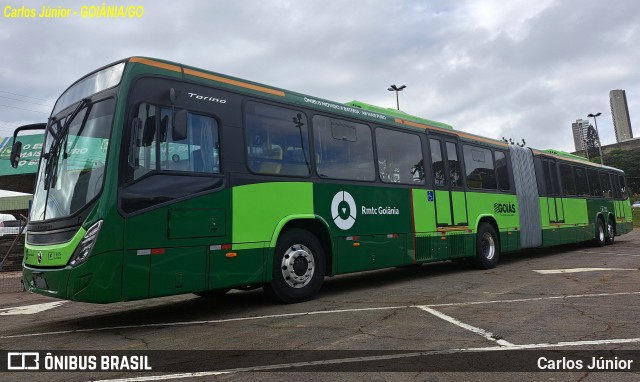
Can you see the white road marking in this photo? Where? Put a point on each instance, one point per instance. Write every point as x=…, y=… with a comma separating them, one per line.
x=608, y=253
x=533, y=299
x=578, y=270
x=373, y=358
x=486, y=334
x=185, y=323
x=203, y=322
x=30, y=309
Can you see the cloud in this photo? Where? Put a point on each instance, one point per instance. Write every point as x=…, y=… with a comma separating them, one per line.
x=518, y=69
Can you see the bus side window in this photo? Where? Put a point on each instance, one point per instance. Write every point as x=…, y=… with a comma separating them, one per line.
x=623, y=186
x=455, y=173
x=277, y=140
x=346, y=149
x=606, y=185
x=582, y=187
x=594, y=183
x=503, y=171
x=568, y=184
x=203, y=151
x=548, y=178
x=615, y=185
x=143, y=142
x=479, y=164
x=437, y=164
x=399, y=157
x=554, y=178
x=153, y=148
x=171, y=150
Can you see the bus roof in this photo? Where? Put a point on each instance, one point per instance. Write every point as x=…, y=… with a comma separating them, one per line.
x=397, y=113
x=572, y=158
x=566, y=155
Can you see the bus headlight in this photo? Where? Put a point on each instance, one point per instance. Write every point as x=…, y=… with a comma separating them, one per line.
x=86, y=245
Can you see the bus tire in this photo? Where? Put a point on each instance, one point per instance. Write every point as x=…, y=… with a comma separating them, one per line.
x=298, y=267
x=487, y=247
x=599, y=240
x=611, y=233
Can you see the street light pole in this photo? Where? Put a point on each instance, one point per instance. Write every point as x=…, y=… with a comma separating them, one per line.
x=595, y=121
x=396, y=89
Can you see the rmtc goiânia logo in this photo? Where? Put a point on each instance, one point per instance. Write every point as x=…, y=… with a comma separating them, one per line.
x=504, y=208
x=343, y=210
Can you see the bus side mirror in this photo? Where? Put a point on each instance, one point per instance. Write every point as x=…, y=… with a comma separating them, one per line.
x=16, y=149
x=179, y=131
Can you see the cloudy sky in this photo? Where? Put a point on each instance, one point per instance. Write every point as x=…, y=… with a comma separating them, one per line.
x=512, y=68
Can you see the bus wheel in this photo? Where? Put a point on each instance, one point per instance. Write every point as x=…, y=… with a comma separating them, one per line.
x=487, y=247
x=611, y=233
x=600, y=238
x=298, y=267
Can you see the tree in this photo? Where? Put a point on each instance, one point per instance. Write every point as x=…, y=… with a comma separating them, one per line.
x=627, y=161
x=592, y=142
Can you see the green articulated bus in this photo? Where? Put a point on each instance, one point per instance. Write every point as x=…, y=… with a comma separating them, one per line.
x=158, y=179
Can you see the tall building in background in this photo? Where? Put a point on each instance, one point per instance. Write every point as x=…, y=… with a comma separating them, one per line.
x=580, y=129
x=620, y=115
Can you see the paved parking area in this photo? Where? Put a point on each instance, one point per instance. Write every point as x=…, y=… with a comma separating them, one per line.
x=434, y=322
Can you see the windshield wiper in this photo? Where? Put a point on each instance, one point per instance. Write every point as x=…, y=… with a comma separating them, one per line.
x=49, y=131
x=51, y=169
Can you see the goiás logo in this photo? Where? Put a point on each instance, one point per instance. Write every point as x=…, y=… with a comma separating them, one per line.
x=504, y=208
x=343, y=210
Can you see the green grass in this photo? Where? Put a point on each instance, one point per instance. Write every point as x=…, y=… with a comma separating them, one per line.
x=636, y=218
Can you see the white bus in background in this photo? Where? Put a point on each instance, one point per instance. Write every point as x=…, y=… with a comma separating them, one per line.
x=9, y=225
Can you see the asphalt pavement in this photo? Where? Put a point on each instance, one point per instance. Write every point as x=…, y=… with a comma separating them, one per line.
x=539, y=315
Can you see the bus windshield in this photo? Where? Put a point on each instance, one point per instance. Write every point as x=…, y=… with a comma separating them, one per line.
x=72, y=169
x=92, y=84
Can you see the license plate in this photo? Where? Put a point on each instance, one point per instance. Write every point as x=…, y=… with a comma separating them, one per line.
x=39, y=281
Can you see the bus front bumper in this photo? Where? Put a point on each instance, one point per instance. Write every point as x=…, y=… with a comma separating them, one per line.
x=98, y=280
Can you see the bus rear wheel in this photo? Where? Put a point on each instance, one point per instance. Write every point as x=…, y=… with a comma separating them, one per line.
x=298, y=267
x=601, y=235
x=611, y=233
x=487, y=247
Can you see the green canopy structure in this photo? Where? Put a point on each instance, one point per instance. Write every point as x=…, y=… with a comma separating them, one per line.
x=31, y=149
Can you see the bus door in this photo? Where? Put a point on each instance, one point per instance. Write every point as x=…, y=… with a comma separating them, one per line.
x=174, y=199
x=450, y=199
x=554, y=196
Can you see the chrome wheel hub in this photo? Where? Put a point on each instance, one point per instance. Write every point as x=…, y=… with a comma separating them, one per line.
x=297, y=266
x=488, y=246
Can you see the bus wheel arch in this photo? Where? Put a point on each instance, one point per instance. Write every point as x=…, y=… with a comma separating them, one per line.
x=487, y=251
x=316, y=226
